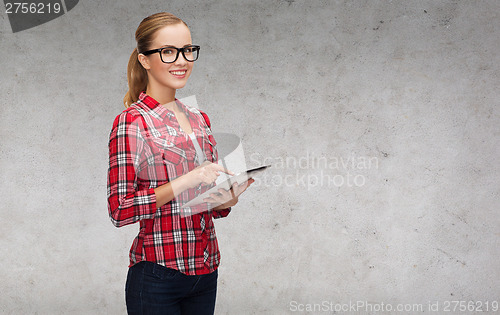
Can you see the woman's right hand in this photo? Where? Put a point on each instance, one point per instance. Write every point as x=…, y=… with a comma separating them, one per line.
x=205, y=174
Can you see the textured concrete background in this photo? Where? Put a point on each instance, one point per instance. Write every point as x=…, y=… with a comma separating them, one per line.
x=386, y=111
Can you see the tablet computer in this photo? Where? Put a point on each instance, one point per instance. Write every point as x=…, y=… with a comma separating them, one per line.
x=226, y=184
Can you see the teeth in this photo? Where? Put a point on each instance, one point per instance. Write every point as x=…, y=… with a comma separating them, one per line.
x=178, y=72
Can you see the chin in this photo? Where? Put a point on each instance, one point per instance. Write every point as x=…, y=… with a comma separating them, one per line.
x=178, y=86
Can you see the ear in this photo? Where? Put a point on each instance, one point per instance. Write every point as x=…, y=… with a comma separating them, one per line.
x=144, y=61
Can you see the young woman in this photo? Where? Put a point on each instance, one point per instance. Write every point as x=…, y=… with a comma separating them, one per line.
x=162, y=154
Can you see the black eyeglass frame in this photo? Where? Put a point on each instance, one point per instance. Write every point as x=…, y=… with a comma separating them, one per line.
x=158, y=50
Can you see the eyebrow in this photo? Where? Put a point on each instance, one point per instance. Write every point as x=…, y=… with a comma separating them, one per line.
x=164, y=46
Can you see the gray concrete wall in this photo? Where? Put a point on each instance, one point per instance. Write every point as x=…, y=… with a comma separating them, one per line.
x=381, y=118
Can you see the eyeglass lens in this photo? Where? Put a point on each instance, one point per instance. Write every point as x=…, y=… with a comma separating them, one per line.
x=169, y=54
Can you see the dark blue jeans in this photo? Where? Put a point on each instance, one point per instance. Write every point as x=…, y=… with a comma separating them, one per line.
x=155, y=289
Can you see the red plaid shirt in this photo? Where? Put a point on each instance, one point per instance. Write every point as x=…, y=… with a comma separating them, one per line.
x=147, y=149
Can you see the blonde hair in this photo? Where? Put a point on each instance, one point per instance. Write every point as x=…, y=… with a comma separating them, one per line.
x=137, y=76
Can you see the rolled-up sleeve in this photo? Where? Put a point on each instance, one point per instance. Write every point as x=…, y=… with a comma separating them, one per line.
x=221, y=213
x=127, y=201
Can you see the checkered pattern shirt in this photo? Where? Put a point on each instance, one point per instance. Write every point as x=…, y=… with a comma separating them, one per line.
x=147, y=149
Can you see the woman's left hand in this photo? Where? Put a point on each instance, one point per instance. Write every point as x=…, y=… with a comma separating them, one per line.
x=228, y=198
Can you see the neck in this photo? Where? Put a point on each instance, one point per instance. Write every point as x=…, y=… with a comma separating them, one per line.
x=164, y=96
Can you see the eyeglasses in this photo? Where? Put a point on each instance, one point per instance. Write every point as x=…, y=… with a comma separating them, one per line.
x=170, y=54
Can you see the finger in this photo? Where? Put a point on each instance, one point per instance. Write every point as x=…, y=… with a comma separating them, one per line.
x=210, y=178
x=222, y=169
x=241, y=189
x=248, y=182
x=243, y=186
x=234, y=193
x=218, y=196
x=225, y=196
x=209, y=200
x=214, y=199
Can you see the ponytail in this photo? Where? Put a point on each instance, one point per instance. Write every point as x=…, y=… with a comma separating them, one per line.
x=137, y=78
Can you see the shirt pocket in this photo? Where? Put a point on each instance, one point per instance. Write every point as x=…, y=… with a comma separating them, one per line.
x=172, y=149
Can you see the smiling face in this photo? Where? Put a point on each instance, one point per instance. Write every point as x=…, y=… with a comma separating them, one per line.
x=165, y=78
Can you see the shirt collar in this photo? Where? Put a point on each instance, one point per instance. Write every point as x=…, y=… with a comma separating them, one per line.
x=152, y=104
x=147, y=100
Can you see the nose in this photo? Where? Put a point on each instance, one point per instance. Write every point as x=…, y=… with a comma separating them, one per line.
x=181, y=60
